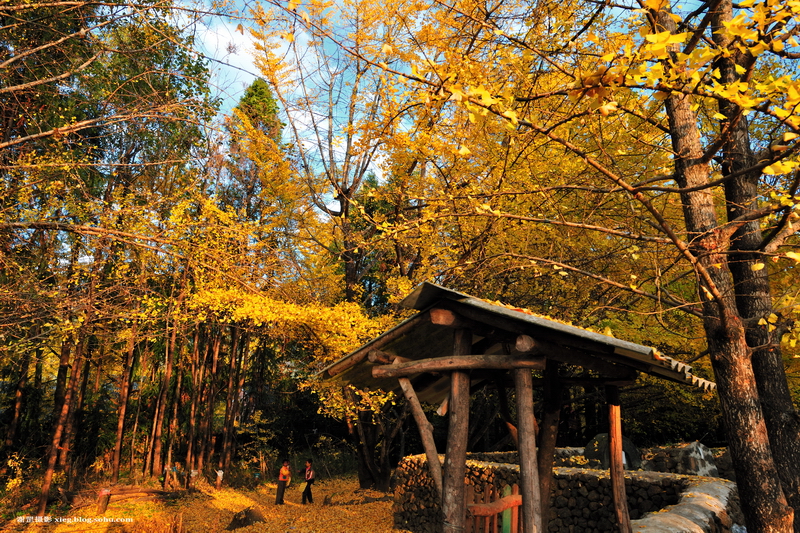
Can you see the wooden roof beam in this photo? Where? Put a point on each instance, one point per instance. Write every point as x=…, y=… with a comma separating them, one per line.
x=461, y=362
x=450, y=319
x=541, y=347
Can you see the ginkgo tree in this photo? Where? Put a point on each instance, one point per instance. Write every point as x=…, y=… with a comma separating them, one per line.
x=652, y=147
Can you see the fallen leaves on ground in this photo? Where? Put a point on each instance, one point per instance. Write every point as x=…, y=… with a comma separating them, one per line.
x=351, y=510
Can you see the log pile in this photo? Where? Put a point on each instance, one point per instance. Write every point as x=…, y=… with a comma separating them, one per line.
x=417, y=506
x=106, y=496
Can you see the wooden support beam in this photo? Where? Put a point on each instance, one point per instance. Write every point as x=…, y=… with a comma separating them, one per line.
x=456, y=456
x=425, y=432
x=616, y=469
x=458, y=362
x=529, y=475
x=443, y=407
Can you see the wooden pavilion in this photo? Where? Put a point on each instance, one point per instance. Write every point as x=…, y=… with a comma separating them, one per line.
x=456, y=343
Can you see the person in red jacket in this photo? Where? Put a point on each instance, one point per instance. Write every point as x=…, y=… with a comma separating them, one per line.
x=308, y=474
x=284, y=477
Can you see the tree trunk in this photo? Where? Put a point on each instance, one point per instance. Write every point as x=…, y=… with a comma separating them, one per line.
x=227, y=432
x=126, y=375
x=173, y=429
x=61, y=378
x=763, y=502
x=240, y=376
x=35, y=404
x=161, y=406
x=68, y=442
x=209, y=392
x=19, y=396
x=196, y=371
x=753, y=294
x=58, y=432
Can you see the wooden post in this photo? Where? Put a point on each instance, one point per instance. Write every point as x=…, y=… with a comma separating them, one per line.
x=529, y=475
x=456, y=456
x=615, y=455
x=102, y=500
x=425, y=432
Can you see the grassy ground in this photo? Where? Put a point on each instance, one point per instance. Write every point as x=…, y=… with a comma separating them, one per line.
x=349, y=510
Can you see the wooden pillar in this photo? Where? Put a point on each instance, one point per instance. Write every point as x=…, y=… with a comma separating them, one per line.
x=548, y=433
x=617, y=471
x=425, y=432
x=529, y=475
x=453, y=506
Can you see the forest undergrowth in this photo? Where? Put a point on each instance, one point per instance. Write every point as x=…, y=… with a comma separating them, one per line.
x=339, y=506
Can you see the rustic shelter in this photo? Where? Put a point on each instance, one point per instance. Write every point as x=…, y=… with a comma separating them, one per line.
x=457, y=342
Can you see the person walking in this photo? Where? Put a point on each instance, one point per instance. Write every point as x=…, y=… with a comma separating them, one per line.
x=308, y=473
x=284, y=477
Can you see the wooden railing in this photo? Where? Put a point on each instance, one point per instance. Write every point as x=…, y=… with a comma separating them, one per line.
x=492, y=513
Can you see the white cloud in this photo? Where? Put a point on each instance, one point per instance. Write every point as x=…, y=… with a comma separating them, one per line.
x=232, y=65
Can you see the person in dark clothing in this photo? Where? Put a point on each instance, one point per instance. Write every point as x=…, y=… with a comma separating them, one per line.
x=308, y=475
x=284, y=477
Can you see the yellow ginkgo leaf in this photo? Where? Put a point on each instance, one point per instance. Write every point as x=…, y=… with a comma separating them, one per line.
x=607, y=109
x=756, y=267
x=463, y=150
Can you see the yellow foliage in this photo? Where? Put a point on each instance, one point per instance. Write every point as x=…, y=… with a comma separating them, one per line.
x=327, y=332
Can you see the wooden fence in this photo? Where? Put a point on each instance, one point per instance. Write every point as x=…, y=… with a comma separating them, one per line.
x=492, y=512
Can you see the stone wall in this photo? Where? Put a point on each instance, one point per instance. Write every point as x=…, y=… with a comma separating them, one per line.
x=581, y=499
x=691, y=458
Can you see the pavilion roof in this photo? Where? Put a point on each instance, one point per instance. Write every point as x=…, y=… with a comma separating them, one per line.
x=495, y=327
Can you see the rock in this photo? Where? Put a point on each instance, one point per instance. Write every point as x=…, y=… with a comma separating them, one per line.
x=246, y=517
x=596, y=452
x=693, y=459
